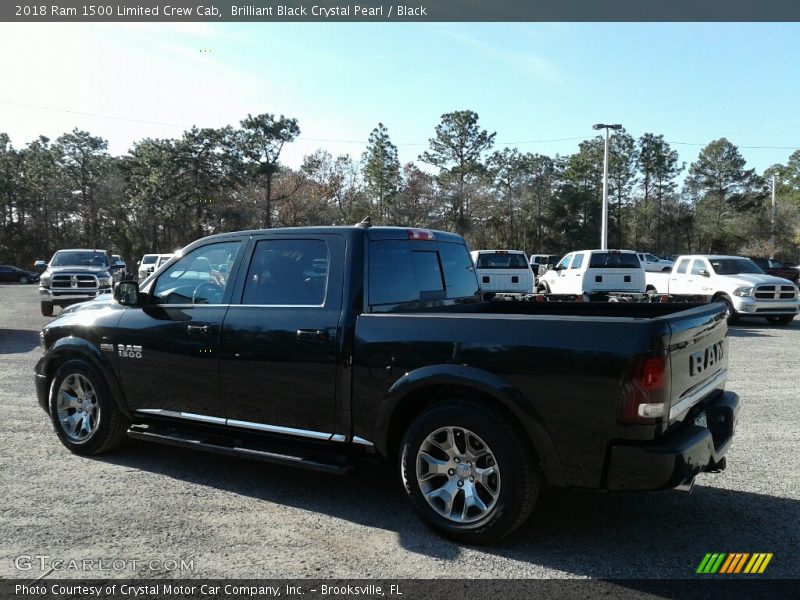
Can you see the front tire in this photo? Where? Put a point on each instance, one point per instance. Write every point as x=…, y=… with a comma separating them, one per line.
x=47, y=309
x=23, y=279
x=542, y=288
x=85, y=416
x=730, y=312
x=470, y=474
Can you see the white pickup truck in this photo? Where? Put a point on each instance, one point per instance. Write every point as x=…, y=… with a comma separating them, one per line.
x=736, y=281
x=595, y=273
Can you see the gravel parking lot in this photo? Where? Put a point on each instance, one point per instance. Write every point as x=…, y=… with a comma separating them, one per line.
x=235, y=518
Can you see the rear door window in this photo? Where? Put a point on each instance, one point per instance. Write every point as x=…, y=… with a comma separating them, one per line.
x=682, y=266
x=287, y=272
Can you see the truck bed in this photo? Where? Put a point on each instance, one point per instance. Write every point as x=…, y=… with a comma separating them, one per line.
x=561, y=366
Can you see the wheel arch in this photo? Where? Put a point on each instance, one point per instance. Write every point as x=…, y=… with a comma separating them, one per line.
x=418, y=390
x=70, y=348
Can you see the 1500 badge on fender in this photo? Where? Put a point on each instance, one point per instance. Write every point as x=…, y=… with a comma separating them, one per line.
x=129, y=351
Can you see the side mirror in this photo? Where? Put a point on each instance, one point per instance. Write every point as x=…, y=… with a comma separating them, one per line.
x=138, y=263
x=705, y=273
x=548, y=266
x=40, y=265
x=127, y=293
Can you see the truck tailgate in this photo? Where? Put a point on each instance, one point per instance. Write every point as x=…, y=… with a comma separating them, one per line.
x=615, y=280
x=698, y=353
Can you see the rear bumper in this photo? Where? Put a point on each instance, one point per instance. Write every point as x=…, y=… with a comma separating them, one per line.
x=680, y=455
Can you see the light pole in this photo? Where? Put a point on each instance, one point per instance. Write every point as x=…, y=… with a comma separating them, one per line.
x=604, y=225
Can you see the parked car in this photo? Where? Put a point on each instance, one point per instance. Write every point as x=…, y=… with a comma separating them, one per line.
x=595, y=273
x=735, y=281
x=393, y=355
x=9, y=273
x=651, y=262
x=541, y=263
x=75, y=275
x=778, y=269
x=503, y=271
x=151, y=262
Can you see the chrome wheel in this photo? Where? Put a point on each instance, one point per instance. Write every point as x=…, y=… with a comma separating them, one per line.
x=458, y=474
x=78, y=411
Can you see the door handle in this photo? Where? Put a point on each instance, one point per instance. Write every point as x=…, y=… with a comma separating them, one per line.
x=312, y=334
x=198, y=329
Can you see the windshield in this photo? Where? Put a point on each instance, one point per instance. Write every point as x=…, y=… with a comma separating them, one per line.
x=149, y=259
x=79, y=258
x=734, y=266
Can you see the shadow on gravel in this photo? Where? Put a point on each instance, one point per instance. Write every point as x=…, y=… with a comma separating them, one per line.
x=588, y=534
x=18, y=341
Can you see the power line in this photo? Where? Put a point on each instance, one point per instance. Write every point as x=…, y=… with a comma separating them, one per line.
x=360, y=142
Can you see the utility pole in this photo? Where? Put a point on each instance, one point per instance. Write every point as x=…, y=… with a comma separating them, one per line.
x=604, y=224
x=772, y=227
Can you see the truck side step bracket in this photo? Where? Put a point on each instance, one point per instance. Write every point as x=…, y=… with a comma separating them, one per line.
x=197, y=441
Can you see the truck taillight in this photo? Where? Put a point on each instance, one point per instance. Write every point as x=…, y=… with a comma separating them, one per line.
x=646, y=390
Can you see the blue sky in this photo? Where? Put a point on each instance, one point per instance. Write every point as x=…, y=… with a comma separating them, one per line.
x=531, y=83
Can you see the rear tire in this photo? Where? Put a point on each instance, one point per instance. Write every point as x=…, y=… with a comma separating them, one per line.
x=23, y=279
x=85, y=416
x=542, y=288
x=471, y=474
x=47, y=309
x=781, y=319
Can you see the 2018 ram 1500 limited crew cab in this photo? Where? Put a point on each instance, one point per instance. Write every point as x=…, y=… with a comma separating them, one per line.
x=319, y=346
x=737, y=282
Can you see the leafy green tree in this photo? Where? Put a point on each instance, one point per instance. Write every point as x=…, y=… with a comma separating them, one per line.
x=658, y=167
x=84, y=160
x=724, y=193
x=416, y=200
x=334, y=182
x=581, y=194
x=47, y=198
x=457, y=150
x=621, y=180
x=381, y=170
x=261, y=142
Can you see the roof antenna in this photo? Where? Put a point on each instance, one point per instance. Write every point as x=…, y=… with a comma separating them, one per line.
x=365, y=223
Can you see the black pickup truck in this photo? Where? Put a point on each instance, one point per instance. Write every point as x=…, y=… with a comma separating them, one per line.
x=322, y=347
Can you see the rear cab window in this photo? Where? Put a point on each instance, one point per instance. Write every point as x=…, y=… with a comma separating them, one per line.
x=410, y=271
x=501, y=260
x=614, y=260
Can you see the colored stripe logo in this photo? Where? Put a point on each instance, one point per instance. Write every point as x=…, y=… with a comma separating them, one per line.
x=734, y=563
